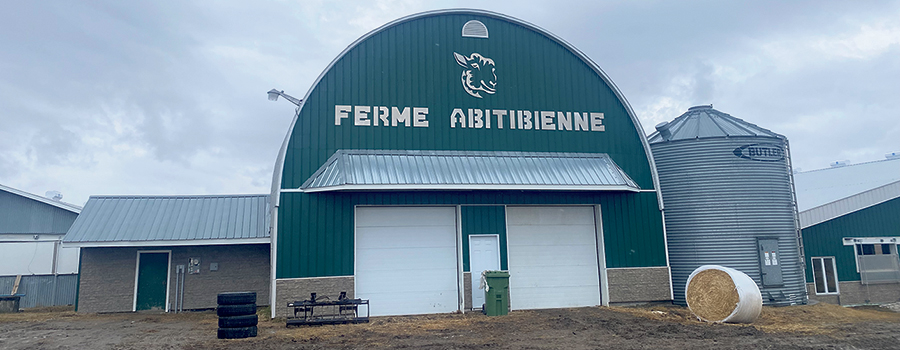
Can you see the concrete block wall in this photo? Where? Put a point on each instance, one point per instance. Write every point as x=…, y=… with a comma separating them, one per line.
x=241, y=268
x=106, y=281
x=298, y=289
x=856, y=293
x=107, y=275
x=467, y=291
x=641, y=284
x=626, y=285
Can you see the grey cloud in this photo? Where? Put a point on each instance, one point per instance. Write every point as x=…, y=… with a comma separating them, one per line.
x=186, y=80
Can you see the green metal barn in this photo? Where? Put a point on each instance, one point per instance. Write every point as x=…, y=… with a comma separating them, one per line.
x=451, y=142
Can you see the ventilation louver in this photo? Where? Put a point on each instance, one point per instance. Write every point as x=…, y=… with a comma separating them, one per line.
x=474, y=29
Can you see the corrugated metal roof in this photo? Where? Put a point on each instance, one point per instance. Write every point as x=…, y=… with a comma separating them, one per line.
x=409, y=170
x=62, y=205
x=823, y=186
x=705, y=122
x=850, y=204
x=29, y=214
x=218, y=218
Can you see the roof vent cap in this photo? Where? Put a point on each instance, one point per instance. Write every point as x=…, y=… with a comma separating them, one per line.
x=840, y=163
x=54, y=195
x=709, y=106
x=663, y=129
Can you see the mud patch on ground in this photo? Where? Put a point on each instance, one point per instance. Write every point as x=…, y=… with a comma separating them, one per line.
x=650, y=327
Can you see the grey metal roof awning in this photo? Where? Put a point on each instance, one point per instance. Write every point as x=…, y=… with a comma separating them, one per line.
x=114, y=221
x=384, y=170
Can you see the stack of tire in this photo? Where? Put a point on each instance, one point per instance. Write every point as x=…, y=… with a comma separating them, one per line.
x=237, y=315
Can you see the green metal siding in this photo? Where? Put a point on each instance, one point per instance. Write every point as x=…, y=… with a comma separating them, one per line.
x=411, y=65
x=316, y=239
x=483, y=220
x=23, y=215
x=826, y=238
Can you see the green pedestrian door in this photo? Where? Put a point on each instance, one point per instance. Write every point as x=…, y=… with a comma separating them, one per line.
x=153, y=275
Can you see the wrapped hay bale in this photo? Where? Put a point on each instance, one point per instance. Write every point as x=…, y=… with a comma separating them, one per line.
x=720, y=294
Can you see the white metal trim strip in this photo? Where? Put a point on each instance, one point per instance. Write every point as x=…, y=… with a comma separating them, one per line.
x=273, y=252
x=167, y=243
x=848, y=241
x=460, y=275
x=465, y=187
x=849, y=205
x=601, y=256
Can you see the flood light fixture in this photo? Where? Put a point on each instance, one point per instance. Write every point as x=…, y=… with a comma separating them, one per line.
x=273, y=96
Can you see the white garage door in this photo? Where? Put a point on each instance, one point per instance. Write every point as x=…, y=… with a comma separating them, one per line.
x=406, y=259
x=552, y=257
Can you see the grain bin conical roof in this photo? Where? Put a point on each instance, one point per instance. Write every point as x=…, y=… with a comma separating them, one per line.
x=701, y=122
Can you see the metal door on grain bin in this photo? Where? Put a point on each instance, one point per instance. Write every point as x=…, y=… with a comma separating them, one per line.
x=770, y=267
x=152, y=281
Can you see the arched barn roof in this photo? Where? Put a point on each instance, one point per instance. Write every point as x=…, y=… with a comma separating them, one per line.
x=471, y=30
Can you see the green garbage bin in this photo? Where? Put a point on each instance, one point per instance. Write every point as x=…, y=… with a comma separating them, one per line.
x=496, y=295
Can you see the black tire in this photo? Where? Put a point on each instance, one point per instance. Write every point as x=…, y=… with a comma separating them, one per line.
x=238, y=321
x=236, y=310
x=236, y=298
x=237, y=333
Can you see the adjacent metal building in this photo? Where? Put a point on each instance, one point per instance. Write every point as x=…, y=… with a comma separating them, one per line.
x=31, y=229
x=170, y=253
x=729, y=201
x=851, y=243
x=840, y=180
x=450, y=142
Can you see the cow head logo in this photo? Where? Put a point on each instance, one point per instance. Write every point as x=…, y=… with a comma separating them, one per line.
x=479, y=75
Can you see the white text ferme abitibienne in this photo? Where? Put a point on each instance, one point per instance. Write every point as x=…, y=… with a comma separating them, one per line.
x=471, y=118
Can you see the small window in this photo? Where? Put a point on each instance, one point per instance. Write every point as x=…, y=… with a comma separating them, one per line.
x=824, y=275
x=865, y=249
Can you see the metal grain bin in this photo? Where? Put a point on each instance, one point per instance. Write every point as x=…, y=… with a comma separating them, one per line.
x=729, y=200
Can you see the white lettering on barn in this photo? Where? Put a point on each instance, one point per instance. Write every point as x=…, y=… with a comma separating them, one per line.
x=382, y=116
x=526, y=120
x=470, y=118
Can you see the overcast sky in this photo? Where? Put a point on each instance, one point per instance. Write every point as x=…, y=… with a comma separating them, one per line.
x=168, y=97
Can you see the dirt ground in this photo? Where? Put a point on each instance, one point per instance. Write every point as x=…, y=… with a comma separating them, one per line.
x=819, y=326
